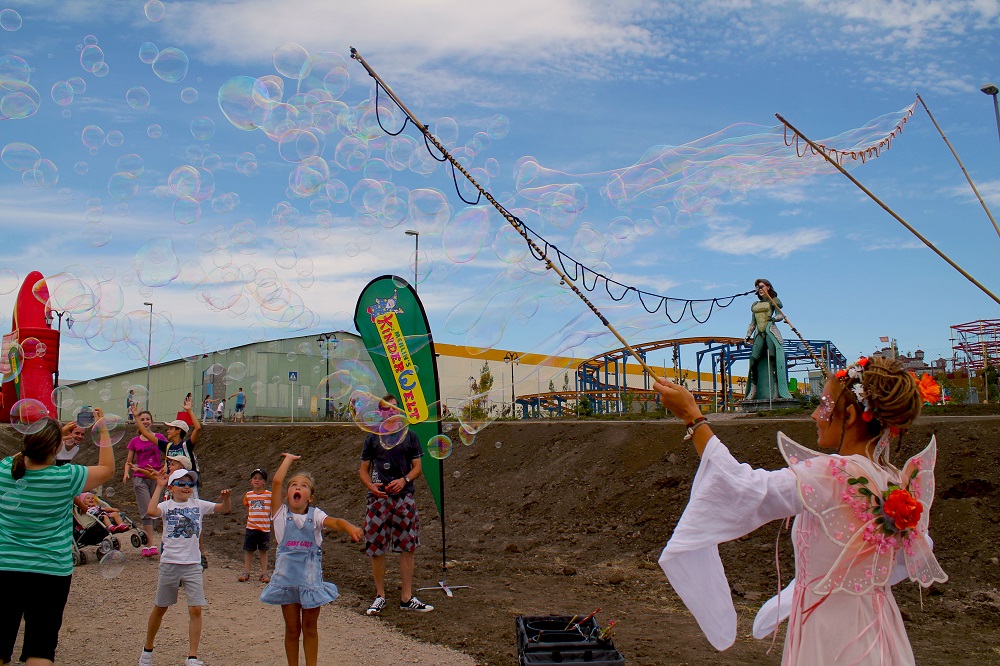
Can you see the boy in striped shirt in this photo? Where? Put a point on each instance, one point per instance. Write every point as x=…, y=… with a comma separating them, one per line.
x=258, y=536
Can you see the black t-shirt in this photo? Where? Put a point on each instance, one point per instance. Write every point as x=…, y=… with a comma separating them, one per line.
x=391, y=464
x=184, y=448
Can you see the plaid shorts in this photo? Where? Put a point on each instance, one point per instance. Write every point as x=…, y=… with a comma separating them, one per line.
x=391, y=524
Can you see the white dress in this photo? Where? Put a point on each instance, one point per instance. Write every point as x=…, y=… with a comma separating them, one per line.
x=840, y=604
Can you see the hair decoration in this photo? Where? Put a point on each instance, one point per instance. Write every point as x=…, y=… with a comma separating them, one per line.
x=852, y=379
x=929, y=389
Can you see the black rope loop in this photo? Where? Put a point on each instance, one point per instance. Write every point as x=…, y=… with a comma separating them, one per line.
x=378, y=117
x=458, y=190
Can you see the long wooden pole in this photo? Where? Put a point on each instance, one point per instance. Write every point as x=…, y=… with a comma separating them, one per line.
x=819, y=363
x=886, y=208
x=513, y=221
x=962, y=166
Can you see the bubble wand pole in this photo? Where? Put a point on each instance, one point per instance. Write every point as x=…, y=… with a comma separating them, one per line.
x=820, y=151
x=962, y=166
x=819, y=363
x=513, y=221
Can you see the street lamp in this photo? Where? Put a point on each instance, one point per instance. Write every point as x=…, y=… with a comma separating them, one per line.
x=69, y=325
x=149, y=351
x=992, y=90
x=512, y=359
x=324, y=340
x=416, y=253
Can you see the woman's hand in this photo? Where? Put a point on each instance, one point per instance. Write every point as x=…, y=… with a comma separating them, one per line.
x=67, y=429
x=677, y=399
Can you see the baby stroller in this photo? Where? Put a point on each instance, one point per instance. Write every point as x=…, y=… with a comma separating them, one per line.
x=89, y=531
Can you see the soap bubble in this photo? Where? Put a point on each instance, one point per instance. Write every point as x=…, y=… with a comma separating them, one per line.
x=10, y=20
x=171, y=65
x=137, y=97
x=113, y=563
x=236, y=372
x=27, y=416
x=33, y=348
x=439, y=447
x=62, y=93
x=20, y=156
x=189, y=95
x=148, y=52
x=116, y=427
x=9, y=280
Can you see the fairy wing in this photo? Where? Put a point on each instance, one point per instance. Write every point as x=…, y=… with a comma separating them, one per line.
x=843, y=512
x=918, y=554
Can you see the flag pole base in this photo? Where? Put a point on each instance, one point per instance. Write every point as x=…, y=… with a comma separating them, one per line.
x=444, y=587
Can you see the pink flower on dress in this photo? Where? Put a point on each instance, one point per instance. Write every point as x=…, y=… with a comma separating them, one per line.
x=792, y=460
x=808, y=463
x=807, y=489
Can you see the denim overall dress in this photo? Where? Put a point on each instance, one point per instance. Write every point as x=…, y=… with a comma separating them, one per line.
x=298, y=570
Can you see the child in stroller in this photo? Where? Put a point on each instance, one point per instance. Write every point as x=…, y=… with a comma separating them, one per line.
x=109, y=516
x=90, y=530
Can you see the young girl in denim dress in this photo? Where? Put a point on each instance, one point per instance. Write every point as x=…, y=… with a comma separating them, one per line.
x=297, y=583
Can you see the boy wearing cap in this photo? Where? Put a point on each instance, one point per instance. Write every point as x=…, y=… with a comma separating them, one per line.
x=181, y=438
x=258, y=536
x=180, y=558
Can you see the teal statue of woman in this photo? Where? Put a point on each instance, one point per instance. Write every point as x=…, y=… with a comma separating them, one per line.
x=767, y=378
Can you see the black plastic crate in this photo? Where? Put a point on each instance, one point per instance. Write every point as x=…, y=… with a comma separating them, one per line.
x=544, y=639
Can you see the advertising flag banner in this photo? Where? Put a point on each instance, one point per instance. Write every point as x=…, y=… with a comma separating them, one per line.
x=394, y=329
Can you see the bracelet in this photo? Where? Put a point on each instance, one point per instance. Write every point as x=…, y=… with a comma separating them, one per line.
x=697, y=424
x=697, y=420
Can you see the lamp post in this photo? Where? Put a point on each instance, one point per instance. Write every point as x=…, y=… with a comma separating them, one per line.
x=512, y=359
x=324, y=340
x=149, y=352
x=992, y=90
x=69, y=325
x=416, y=253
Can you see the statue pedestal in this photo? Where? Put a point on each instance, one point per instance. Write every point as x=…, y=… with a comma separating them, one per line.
x=767, y=405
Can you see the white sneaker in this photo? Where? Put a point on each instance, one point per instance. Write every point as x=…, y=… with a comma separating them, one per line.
x=191, y=661
x=146, y=658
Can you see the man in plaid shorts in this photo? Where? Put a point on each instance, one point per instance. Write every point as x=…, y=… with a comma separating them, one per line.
x=388, y=470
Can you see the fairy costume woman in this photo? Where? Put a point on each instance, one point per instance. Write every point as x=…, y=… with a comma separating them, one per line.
x=860, y=523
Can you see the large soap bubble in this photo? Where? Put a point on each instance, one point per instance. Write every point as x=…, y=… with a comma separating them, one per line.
x=27, y=416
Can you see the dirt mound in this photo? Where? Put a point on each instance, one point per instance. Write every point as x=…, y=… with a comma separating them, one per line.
x=565, y=517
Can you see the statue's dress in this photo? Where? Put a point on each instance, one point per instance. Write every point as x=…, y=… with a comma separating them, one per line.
x=840, y=605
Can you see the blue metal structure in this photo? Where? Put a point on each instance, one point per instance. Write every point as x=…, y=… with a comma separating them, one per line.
x=724, y=355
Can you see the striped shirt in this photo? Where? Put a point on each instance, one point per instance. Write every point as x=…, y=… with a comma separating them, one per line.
x=258, y=510
x=36, y=518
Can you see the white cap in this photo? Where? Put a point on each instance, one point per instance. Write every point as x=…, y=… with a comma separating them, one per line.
x=180, y=474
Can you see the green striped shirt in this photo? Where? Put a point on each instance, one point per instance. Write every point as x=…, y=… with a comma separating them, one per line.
x=36, y=518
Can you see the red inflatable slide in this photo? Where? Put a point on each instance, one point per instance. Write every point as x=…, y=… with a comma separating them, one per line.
x=30, y=322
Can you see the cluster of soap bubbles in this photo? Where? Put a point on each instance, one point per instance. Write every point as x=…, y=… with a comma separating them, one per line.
x=317, y=125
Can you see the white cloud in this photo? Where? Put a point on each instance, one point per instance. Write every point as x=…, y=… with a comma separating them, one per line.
x=736, y=239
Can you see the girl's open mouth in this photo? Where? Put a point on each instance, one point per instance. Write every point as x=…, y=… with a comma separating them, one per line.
x=296, y=496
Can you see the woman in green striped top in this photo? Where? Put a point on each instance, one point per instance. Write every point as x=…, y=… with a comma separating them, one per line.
x=36, y=534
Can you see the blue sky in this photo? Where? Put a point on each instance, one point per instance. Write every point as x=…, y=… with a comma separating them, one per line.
x=583, y=89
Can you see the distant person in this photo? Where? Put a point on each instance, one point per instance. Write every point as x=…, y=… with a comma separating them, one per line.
x=182, y=519
x=129, y=401
x=206, y=408
x=241, y=403
x=297, y=585
x=70, y=445
x=220, y=410
x=392, y=522
x=36, y=536
x=146, y=452
x=258, y=535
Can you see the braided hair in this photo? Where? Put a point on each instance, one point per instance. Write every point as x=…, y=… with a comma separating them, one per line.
x=886, y=397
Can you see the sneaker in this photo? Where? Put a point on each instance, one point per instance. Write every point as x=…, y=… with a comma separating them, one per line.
x=147, y=552
x=376, y=607
x=191, y=661
x=153, y=551
x=415, y=604
x=146, y=658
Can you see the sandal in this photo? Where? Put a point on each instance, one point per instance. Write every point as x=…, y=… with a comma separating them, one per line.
x=264, y=578
x=245, y=577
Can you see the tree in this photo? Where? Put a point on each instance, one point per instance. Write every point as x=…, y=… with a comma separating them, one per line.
x=479, y=391
x=552, y=386
x=565, y=381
